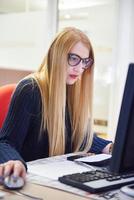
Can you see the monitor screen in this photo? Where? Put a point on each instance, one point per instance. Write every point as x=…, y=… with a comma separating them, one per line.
x=123, y=153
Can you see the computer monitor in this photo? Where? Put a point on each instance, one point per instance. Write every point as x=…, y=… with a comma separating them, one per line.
x=122, y=161
x=123, y=152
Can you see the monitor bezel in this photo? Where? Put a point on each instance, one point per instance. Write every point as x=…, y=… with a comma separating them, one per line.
x=116, y=164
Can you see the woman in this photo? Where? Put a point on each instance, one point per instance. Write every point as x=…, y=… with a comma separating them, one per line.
x=51, y=110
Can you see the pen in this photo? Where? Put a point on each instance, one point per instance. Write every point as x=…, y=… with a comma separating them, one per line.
x=84, y=164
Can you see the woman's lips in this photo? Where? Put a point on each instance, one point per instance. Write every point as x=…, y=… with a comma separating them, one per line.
x=73, y=76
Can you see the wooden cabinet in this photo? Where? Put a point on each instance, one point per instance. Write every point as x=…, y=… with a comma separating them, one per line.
x=8, y=75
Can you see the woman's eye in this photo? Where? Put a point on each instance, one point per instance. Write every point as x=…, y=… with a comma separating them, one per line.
x=74, y=58
x=86, y=61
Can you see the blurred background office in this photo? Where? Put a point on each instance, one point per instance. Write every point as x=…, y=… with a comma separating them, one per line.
x=27, y=27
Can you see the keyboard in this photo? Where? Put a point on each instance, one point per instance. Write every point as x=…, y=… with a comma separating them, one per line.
x=97, y=180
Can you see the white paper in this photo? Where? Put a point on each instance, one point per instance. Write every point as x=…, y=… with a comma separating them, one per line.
x=94, y=158
x=53, y=170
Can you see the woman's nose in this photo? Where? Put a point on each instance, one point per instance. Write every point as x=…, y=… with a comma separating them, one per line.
x=79, y=67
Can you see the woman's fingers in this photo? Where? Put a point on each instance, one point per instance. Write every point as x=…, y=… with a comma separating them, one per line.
x=8, y=167
x=14, y=167
x=19, y=169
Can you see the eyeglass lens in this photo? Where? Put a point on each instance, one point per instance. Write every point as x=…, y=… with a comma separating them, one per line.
x=74, y=59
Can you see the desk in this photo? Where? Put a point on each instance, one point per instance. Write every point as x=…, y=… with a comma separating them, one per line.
x=45, y=193
x=42, y=181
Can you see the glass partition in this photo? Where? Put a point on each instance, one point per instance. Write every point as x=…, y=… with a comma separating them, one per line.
x=24, y=34
x=98, y=19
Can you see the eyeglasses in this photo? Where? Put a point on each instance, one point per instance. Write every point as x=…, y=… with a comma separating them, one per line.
x=74, y=59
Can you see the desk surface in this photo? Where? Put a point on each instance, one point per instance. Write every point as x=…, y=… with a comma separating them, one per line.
x=43, y=175
x=42, y=192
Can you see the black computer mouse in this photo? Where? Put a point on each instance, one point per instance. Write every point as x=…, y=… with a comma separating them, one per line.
x=11, y=182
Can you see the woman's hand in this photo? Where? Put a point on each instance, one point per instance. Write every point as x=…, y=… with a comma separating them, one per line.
x=108, y=149
x=14, y=167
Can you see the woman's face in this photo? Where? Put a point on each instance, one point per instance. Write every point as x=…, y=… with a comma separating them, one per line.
x=76, y=66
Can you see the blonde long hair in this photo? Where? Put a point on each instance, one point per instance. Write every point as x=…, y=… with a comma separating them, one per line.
x=51, y=79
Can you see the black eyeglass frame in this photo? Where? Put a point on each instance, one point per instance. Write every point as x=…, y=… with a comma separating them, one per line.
x=89, y=64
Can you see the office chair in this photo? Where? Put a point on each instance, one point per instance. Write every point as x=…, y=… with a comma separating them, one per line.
x=5, y=97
